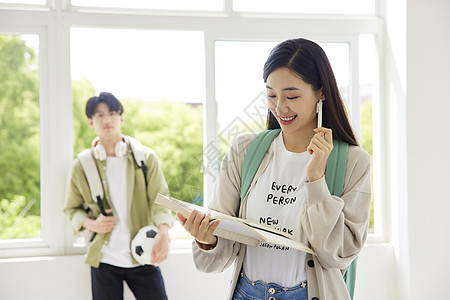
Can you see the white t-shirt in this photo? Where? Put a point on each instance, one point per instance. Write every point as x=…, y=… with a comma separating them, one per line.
x=117, y=251
x=276, y=200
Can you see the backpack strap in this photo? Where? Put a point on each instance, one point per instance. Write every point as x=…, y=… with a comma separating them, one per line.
x=350, y=278
x=92, y=175
x=334, y=176
x=336, y=165
x=93, y=178
x=139, y=155
x=255, y=154
x=137, y=149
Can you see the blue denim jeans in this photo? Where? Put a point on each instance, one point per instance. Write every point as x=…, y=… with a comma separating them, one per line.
x=259, y=290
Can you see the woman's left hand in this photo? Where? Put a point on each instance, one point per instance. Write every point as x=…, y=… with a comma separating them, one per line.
x=320, y=148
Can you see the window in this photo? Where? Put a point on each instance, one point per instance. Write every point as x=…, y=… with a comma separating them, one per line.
x=20, y=214
x=171, y=62
x=240, y=90
x=159, y=78
x=368, y=97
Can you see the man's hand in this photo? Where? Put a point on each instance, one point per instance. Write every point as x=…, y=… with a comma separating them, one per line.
x=160, y=249
x=102, y=224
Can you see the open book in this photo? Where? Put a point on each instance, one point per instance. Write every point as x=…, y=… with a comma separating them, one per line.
x=236, y=229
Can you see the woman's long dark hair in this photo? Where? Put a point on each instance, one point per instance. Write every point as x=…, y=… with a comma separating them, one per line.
x=308, y=61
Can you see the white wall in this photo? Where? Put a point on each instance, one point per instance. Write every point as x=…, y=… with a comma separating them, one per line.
x=396, y=115
x=428, y=111
x=68, y=278
x=417, y=65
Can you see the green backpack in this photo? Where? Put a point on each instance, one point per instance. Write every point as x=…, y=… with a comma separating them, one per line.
x=334, y=176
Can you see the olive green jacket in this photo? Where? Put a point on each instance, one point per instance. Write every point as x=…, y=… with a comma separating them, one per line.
x=142, y=209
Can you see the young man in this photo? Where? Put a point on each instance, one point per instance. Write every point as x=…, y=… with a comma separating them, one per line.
x=129, y=203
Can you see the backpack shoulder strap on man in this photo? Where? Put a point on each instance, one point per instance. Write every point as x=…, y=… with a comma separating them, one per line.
x=94, y=181
x=137, y=149
x=139, y=155
x=334, y=177
x=92, y=175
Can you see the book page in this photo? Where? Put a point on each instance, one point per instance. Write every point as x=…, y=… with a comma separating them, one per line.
x=263, y=233
x=236, y=229
x=280, y=240
x=227, y=222
x=184, y=207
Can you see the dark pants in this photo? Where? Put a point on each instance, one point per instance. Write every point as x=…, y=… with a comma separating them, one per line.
x=145, y=282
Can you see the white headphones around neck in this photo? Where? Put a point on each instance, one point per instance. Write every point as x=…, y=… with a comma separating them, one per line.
x=99, y=151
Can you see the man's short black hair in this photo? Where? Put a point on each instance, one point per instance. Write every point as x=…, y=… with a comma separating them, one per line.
x=110, y=100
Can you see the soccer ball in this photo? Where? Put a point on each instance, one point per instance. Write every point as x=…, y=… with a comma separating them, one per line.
x=142, y=244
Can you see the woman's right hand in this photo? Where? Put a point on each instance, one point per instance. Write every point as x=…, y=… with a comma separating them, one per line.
x=199, y=226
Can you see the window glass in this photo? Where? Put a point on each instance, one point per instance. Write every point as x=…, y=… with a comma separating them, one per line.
x=306, y=7
x=240, y=89
x=205, y=5
x=339, y=56
x=20, y=137
x=368, y=62
x=159, y=78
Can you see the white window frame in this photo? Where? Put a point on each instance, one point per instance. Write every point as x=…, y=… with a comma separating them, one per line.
x=52, y=23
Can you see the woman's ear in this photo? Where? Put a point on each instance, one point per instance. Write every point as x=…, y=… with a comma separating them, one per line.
x=320, y=94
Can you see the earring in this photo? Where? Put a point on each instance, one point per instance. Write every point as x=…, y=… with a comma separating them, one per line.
x=319, y=113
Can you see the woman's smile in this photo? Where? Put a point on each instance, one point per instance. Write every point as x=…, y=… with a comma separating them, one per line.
x=287, y=120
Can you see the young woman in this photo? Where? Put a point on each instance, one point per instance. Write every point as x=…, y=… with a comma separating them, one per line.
x=298, y=75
